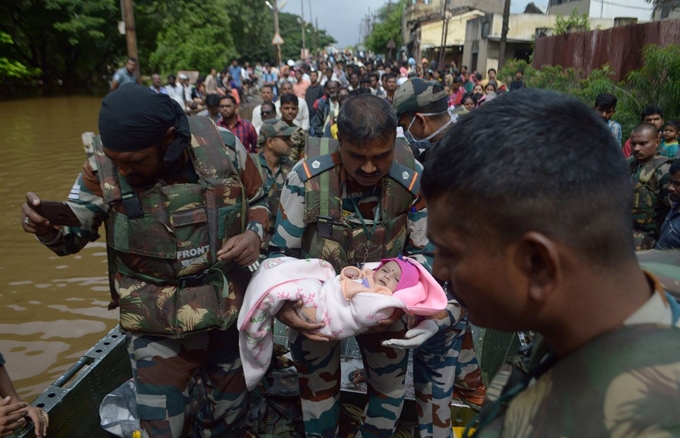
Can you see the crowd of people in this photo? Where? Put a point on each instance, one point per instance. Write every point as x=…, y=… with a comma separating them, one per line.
x=529, y=226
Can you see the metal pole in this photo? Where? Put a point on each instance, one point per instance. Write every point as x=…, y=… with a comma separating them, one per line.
x=442, y=47
x=504, y=34
x=302, y=15
x=130, y=33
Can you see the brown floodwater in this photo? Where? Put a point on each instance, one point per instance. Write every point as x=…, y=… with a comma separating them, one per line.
x=52, y=309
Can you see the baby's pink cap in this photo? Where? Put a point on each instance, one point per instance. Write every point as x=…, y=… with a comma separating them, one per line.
x=409, y=273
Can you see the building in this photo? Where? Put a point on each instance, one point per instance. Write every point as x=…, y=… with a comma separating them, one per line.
x=483, y=36
x=640, y=9
x=422, y=12
x=448, y=33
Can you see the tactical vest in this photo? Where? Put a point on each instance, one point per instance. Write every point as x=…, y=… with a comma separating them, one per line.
x=163, y=242
x=645, y=196
x=328, y=234
x=273, y=194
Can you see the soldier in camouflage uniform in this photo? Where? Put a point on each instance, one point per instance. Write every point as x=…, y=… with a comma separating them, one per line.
x=289, y=110
x=181, y=222
x=649, y=175
x=349, y=206
x=532, y=236
x=449, y=357
x=274, y=164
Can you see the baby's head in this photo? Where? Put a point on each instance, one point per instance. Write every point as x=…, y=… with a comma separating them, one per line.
x=396, y=274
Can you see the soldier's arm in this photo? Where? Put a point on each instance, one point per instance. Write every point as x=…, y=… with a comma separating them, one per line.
x=290, y=226
x=86, y=201
x=258, y=212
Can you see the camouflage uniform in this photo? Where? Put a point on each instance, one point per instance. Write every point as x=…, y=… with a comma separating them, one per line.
x=272, y=181
x=163, y=270
x=650, y=202
x=447, y=359
x=303, y=222
x=299, y=139
x=624, y=383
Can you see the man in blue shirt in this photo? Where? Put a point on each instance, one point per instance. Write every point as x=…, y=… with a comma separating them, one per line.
x=125, y=75
x=236, y=73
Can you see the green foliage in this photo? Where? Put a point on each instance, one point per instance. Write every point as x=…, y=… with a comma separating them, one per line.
x=10, y=68
x=573, y=82
x=388, y=27
x=291, y=32
x=564, y=25
x=658, y=81
x=193, y=37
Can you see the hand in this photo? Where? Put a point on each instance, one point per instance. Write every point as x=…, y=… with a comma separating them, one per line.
x=288, y=315
x=40, y=419
x=243, y=249
x=414, y=337
x=11, y=416
x=32, y=222
x=385, y=323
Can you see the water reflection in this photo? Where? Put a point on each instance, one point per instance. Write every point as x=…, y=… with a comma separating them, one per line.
x=52, y=309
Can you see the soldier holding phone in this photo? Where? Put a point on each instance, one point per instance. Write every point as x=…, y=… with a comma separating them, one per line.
x=183, y=221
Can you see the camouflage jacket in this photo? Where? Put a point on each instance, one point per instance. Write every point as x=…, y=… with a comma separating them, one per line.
x=272, y=184
x=292, y=230
x=650, y=202
x=163, y=241
x=624, y=383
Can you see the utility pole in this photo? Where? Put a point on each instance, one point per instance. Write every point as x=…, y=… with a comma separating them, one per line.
x=277, y=40
x=504, y=34
x=130, y=33
x=302, y=15
x=445, y=30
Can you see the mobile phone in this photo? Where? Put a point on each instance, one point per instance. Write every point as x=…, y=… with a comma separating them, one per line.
x=58, y=213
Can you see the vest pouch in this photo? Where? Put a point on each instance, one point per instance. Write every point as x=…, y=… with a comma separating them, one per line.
x=146, y=307
x=193, y=245
x=141, y=245
x=214, y=304
x=230, y=220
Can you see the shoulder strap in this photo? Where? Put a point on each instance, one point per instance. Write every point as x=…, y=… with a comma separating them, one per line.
x=108, y=175
x=322, y=155
x=209, y=162
x=228, y=137
x=407, y=178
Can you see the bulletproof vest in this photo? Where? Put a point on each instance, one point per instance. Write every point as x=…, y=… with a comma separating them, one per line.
x=273, y=192
x=645, y=195
x=329, y=235
x=163, y=242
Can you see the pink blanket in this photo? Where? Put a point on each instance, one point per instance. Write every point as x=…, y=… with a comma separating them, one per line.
x=315, y=283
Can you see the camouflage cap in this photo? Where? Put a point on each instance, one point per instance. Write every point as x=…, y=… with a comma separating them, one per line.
x=276, y=128
x=416, y=93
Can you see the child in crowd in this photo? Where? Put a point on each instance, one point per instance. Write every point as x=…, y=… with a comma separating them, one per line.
x=348, y=304
x=605, y=105
x=669, y=143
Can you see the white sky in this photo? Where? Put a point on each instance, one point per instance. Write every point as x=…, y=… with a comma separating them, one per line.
x=341, y=18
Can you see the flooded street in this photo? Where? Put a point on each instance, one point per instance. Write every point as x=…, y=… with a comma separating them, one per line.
x=52, y=309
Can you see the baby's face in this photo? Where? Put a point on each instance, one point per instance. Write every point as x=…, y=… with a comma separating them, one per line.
x=388, y=275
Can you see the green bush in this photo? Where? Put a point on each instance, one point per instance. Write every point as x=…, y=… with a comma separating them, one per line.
x=656, y=83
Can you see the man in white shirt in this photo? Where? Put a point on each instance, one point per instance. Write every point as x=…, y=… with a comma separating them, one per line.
x=302, y=119
x=267, y=94
x=176, y=91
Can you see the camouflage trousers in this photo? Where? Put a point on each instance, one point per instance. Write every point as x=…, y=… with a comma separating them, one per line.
x=318, y=367
x=163, y=368
x=446, y=360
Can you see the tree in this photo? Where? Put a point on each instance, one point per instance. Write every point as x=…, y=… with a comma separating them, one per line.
x=565, y=25
x=388, y=27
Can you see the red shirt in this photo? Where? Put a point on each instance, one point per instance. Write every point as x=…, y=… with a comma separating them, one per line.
x=245, y=132
x=456, y=97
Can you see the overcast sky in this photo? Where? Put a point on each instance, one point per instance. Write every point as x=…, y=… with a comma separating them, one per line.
x=341, y=18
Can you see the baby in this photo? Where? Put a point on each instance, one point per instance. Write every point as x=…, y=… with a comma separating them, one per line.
x=348, y=304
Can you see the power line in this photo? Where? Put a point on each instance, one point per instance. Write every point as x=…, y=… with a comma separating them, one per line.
x=623, y=6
